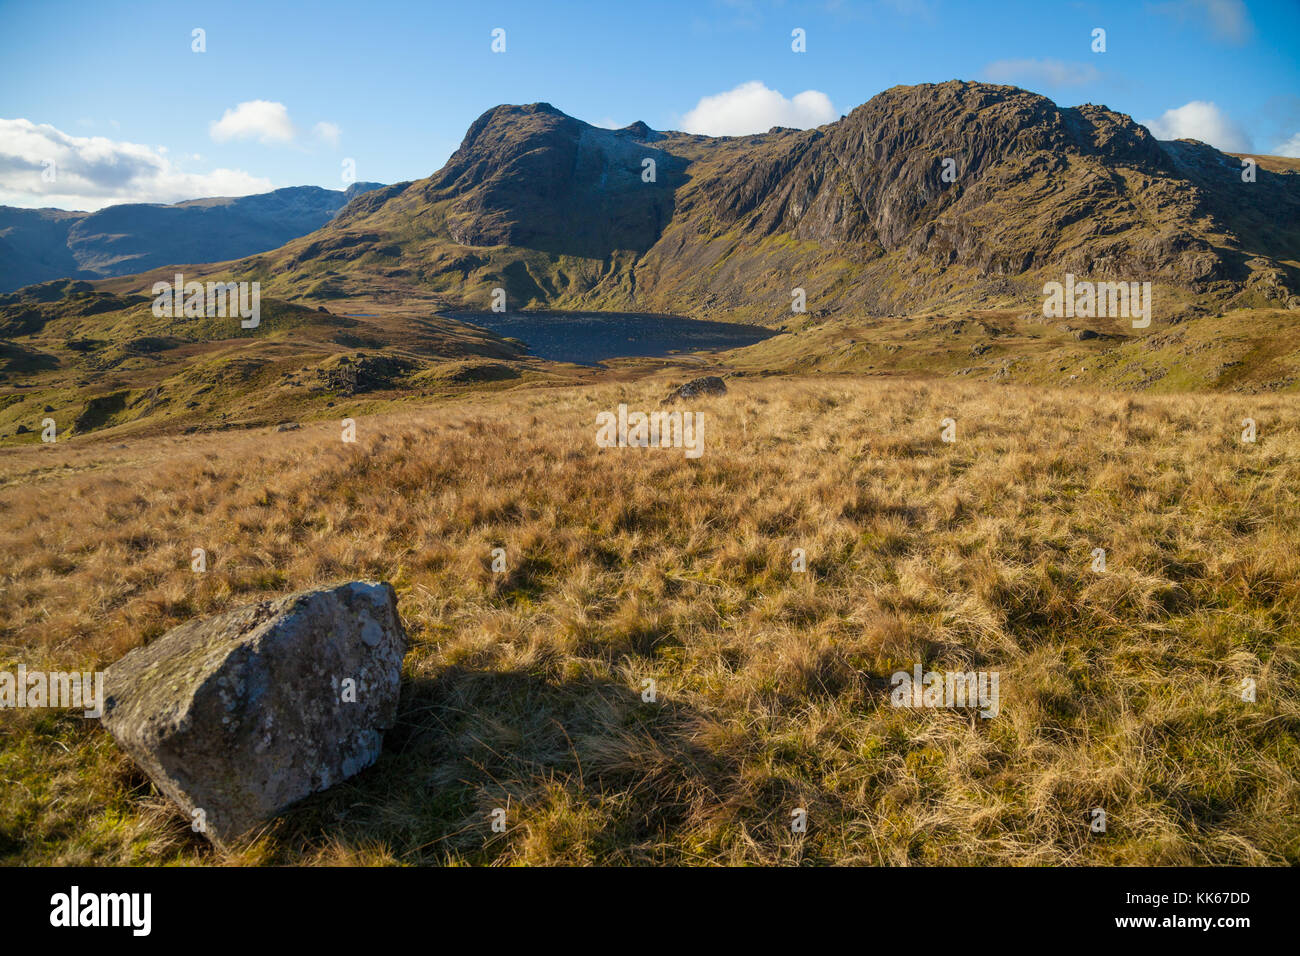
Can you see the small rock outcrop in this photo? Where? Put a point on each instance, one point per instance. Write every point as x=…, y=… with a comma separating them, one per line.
x=365, y=373
x=235, y=717
x=708, y=385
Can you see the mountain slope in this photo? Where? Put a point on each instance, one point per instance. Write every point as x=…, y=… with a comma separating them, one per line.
x=34, y=246
x=93, y=360
x=858, y=213
x=37, y=245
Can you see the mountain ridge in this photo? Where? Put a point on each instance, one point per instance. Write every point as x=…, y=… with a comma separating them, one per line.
x=37, y=245
x=857, y=212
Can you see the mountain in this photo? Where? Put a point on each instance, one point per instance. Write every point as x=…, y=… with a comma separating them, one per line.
x=37, y=245
x=906, y=271
x=34, y=246
x=858, y=213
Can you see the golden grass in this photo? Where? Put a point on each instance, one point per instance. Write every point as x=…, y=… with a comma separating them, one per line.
x=523, y=690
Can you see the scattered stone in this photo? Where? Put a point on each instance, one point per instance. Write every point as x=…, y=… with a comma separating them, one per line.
x=364, y=374
x=287, y=427
x=708, y=385
x=235, y=717
x=49, y=408
x=22, y=430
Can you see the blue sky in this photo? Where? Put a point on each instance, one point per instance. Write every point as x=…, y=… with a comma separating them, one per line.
x=113, y=95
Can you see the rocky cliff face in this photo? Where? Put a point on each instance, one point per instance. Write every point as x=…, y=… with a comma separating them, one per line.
x=535, y=178
x=876, y=177
x=1029, y=187
x=951, y=193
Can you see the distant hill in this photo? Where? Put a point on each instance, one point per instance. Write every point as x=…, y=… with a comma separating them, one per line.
x=37, y=245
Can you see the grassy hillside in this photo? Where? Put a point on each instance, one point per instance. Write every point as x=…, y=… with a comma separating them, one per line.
x=101, y=362
x=1120, y=690
x=1241, y=350
x=93, y=361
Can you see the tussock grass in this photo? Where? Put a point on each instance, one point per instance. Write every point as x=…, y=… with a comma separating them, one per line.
x=523, y=690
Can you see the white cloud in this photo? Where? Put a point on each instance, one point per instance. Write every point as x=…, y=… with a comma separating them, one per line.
x=327, y=132
x=1204, y=121
x=269, y=123
x=1290, y=148
x=1047, y=72
x=1227, y=20
x=257, y=119
x=753, y=108
x=90, y=172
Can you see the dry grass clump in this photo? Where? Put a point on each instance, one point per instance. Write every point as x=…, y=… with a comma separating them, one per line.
x=523, y=690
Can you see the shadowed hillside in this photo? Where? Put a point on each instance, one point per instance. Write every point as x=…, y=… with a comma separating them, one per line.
x=37, y=245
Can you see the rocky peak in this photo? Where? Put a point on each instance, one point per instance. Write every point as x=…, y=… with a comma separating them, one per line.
x=638, y=131
x=532, y=176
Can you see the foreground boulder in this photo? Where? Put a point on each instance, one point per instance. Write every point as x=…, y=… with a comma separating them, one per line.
x=708, y=385
x=237, y=716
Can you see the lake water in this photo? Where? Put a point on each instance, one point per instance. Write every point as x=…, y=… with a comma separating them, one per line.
x=588, y=338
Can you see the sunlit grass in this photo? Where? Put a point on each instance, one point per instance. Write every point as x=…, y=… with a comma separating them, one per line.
x=523, y=690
